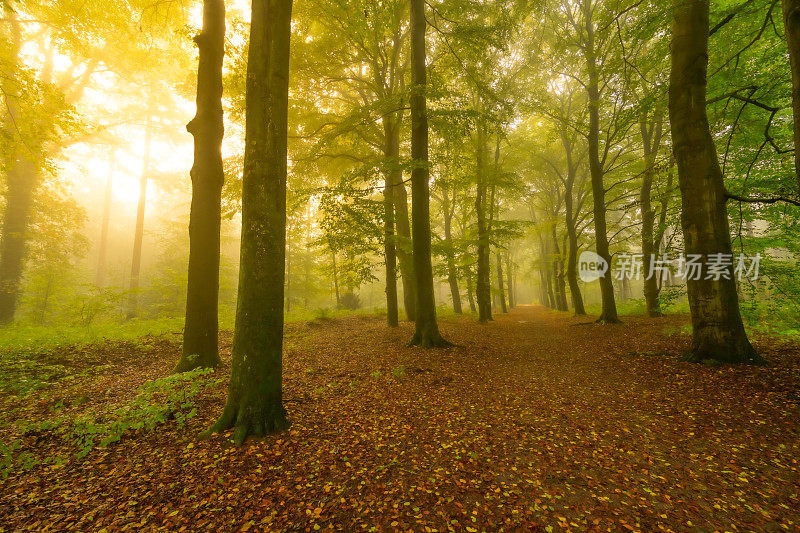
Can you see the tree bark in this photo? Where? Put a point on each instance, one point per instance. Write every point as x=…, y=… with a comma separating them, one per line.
x=138, y=236
x=201, y=329
x=718, y=332
x=452, y=272
x=651, y=140
x=609, y=312
x=427, y=329
x=389, y=251
x=403, y=239
x=791, y=21
x=501, y=295
x=512, y=300
x=483, y=288
x=255, y=396
x=22, y=179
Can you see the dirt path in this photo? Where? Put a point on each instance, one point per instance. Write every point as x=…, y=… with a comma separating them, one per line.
x=535, y=420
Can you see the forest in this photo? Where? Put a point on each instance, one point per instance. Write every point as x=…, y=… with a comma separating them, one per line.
x=400, y=265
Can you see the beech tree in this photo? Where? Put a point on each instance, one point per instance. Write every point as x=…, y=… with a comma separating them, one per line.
x=255, y=395
x=718, y=332
x=200, y=345
x=427, y=329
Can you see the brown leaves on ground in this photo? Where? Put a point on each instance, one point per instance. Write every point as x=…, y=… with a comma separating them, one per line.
x=533, y=421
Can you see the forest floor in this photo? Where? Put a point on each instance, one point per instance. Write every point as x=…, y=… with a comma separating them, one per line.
x=537, y=421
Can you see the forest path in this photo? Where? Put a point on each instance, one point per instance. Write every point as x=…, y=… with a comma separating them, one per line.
x=535, y=419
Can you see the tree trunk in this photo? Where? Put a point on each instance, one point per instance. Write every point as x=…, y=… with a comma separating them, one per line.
x=392, y=153
x=100, y=276
x=335, y=279
x=427, y=330
x=452, y=273
x=609, y=312
x=21, y=180
x=470, y=292
x=255, y=396
x=558, y=275
x=136, y=262
x=501, y=295
x=651, y=140
x=288, y=295
x=201, y=330
x=718, y=332
x=483, y=285
x=572, y=238
x=791, y=21
x=512, y=300
x=403, y=231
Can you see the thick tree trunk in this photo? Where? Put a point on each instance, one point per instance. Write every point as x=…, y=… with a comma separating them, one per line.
x=389, y=251
x=100, y=276
x=501, y=292
x=791, y=21
x=255, y=397
x=718, y=332
x=609, y=312
x=427, y=330
x=452, y=272
x=200, y=334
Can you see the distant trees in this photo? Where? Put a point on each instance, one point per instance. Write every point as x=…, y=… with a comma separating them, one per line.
x=255, y=395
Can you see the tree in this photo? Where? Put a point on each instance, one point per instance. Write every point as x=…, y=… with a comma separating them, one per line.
x=718, y=331
x=255, y=395
x=427, y=329
x=791, y=20
x=202, y=294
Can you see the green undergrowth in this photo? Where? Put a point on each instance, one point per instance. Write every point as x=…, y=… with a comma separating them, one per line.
x=79, y=431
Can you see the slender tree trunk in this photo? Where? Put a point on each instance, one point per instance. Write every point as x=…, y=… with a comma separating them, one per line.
x=452, y=272
x=609, y=313
x=288, y=279
x=136, y=262
x=392, y=153
x=403, y=229
x=427, y=330
x=470, y=292
x=483, y=284
x=572, y=241
x=651, y=139
x=512, y=299
x=100, y=277
x=201, y=330
x=558, y=275
x=255, y=396
x=501, y=295
x=336, y=280
x=791, y=21
x=718, y=332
